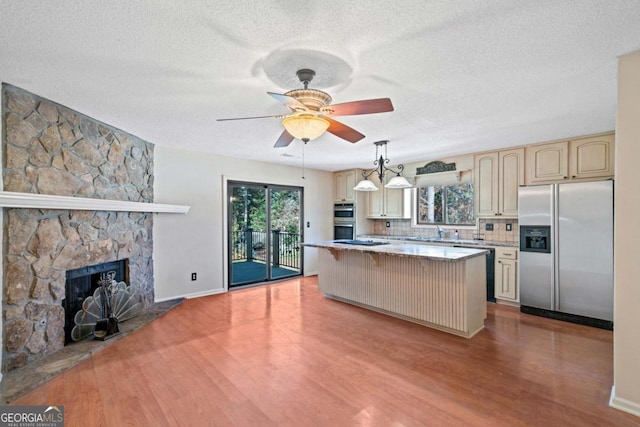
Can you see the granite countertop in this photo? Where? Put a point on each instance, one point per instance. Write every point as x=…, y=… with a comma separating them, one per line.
x=464, y=242
x=438, y=253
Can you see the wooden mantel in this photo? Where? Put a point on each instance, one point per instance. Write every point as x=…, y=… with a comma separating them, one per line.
x=10, y=199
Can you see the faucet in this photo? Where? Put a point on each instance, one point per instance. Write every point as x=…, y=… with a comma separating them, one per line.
x=439, y=232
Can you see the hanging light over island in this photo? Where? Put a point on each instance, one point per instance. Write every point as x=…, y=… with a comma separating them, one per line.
x=398, y=181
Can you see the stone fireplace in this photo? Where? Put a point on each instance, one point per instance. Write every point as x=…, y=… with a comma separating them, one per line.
x=52, y=150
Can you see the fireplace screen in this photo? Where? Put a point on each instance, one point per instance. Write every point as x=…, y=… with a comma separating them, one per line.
x=85, y=300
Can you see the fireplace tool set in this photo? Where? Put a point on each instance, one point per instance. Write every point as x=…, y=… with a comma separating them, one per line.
x=107, y=327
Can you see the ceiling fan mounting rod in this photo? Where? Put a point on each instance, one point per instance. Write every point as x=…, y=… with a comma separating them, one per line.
x=305, y=75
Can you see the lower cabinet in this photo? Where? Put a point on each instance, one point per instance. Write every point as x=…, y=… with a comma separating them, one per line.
x=506, y=277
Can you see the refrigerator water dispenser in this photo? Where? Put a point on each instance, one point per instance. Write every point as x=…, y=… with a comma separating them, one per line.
x=535, y=238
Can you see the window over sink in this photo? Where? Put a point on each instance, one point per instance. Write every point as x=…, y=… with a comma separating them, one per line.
x=445, y=204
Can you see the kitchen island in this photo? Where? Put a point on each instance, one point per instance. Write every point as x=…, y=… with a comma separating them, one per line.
x=436, y=286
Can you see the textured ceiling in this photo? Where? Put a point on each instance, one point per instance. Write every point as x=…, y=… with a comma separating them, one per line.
x=463, y=75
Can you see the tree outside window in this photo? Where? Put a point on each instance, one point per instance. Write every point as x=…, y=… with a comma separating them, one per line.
x=445, y=204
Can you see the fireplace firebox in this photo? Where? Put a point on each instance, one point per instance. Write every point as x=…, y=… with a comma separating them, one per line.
x=81, y=283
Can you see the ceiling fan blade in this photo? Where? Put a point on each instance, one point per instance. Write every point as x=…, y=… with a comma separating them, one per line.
x=343, y=131
x=368, y=106
x=284, y=140
x=246, y=118
x=289, y=101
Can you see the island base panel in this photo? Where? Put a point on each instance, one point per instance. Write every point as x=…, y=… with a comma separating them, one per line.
x=446, y=295
x=409, y=319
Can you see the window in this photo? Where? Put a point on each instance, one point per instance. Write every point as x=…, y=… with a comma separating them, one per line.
x=445, y=204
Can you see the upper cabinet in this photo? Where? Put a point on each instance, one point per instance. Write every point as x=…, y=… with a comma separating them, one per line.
x=485, y=182
x=548, y=162
x=582, y=158
x=388, y=202
x=343, y=183
x=511, y=176
x=497, y=176
x=592, y=157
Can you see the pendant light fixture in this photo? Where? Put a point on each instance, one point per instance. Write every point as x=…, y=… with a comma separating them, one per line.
x=397, y=181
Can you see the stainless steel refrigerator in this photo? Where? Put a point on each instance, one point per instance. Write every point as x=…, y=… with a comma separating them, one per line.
x=566, y=251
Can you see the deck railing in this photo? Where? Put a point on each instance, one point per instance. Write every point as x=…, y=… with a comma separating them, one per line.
x=251, y=245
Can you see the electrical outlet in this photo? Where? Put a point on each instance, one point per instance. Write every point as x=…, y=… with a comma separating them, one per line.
x=508, y=227
x=388, y=224
x=194, y=276
x=308, y=224
x=488, y=227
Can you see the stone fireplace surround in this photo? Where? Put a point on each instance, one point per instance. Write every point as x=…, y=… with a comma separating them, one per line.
x=52, y=150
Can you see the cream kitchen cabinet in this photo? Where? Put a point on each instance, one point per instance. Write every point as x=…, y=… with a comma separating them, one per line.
x=506, y=274
x=343, y=183
x=583, y=158
x=388, y=202
x=591, y=157
x=497, y=176
x=547, y=162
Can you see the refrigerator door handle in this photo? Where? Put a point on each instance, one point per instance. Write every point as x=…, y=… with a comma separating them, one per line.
x=555, y=206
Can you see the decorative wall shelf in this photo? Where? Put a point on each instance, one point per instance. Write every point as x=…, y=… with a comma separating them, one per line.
x=10, y=199
x=436, y=167
x=443, y=178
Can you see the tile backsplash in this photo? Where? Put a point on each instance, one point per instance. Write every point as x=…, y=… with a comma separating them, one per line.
x=402, y=227
x=499, y=232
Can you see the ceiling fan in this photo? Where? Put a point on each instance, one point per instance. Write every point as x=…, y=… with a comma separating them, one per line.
x=311, y=110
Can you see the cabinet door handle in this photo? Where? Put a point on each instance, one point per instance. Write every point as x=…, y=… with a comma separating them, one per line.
x=499, y=262
x=506, y=254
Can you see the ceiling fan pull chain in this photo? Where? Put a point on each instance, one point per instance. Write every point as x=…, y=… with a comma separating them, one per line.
x=303, y=144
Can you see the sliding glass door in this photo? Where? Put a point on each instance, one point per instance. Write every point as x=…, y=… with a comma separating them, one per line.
x=265, y=231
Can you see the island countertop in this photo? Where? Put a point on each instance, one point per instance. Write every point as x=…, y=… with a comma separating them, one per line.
x=439, y=240
x=437, y=253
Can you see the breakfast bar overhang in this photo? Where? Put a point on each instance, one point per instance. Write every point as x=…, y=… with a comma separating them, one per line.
x=436, y=286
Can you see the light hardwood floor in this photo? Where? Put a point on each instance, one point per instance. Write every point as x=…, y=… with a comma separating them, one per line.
x=283, y=354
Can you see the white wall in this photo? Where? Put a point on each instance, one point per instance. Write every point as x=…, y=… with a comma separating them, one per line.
x=626, y=341
x=196, y=242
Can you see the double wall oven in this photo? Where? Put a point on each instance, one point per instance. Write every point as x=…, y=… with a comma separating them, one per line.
x=344, y=221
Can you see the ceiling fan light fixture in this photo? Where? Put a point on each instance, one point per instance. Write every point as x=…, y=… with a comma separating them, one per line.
x=365, y=185
x=305, y=127
x=310, y=110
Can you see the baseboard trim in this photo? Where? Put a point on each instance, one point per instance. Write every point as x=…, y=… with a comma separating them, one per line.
x=193, y=295
x=567, y=317
x=507, y=302
x=623, y=404
x=205, y=293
